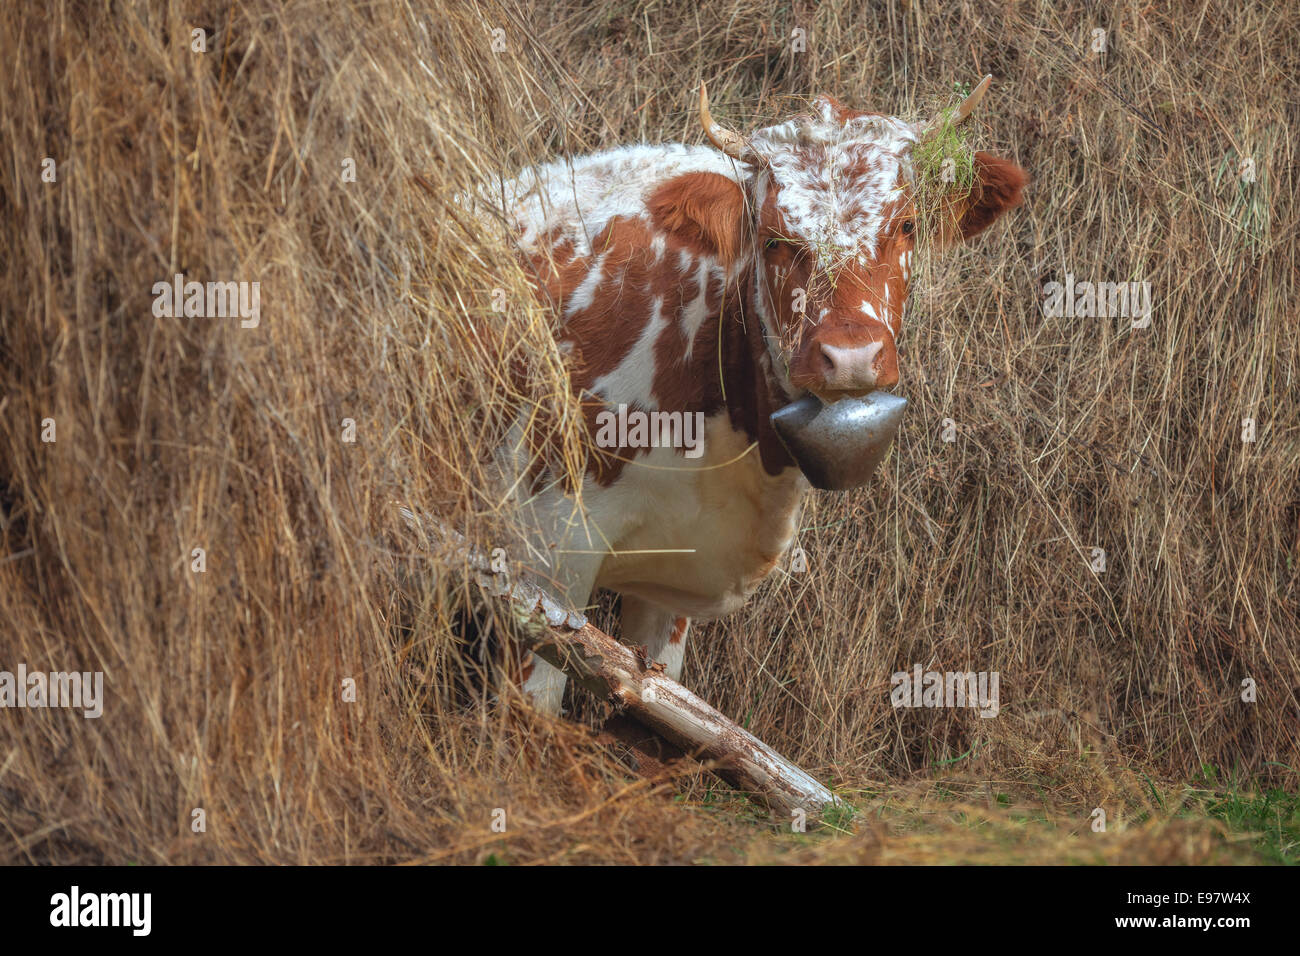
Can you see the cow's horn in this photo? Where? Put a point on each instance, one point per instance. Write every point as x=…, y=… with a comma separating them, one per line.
x=731, y=143
x=967, y=106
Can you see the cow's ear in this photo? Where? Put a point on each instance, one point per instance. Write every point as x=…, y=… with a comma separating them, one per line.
x=706, y=211
x=997, y=188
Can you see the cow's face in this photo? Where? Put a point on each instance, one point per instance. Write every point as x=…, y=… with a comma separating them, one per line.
x=835, y=230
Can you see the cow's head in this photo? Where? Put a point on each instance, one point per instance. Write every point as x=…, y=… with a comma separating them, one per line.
x=830, y=216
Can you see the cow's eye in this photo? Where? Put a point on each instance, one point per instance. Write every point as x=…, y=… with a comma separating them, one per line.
x=771, y=243
x=907, y=227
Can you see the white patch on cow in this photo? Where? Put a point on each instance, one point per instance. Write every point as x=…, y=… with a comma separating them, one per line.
x=738, y=519
x=905, y=265
x=632, y=380
x=585, y=294
x=576, y=197
x=692, y=538
x=672, y=654
x=657, y=245
x=838, y=215
x=545, y=686
x=870, y=312
x=644, y=623
x=696, y=311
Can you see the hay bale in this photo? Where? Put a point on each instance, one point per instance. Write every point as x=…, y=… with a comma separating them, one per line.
x=224, y=688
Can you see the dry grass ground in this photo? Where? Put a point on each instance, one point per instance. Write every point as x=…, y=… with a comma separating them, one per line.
x=1120, y=690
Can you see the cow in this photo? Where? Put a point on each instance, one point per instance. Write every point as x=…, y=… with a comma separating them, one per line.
x=721, y=282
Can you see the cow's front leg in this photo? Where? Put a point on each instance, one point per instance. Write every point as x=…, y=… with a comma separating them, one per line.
x=571, y=583
x=544, y=685
x=662, y=632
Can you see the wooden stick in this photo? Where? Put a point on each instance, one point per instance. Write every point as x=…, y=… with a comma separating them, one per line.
x=620, y=673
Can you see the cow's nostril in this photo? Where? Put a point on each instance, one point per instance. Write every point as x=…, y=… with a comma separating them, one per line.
x=827, y=360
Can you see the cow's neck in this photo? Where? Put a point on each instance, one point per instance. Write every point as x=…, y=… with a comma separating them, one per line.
x=752, y=392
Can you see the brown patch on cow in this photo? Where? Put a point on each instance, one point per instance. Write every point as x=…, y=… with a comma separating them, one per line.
x=603, y=333
x=704, y=210
x=679, y=630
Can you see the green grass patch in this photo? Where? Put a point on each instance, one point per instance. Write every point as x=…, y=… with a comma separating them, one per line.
x=1272, y=815
x=943, y=165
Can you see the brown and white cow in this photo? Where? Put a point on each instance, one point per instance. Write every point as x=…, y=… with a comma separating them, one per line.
x=727, y=281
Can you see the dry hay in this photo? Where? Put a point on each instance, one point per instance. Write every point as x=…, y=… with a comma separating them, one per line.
x=376, y=305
